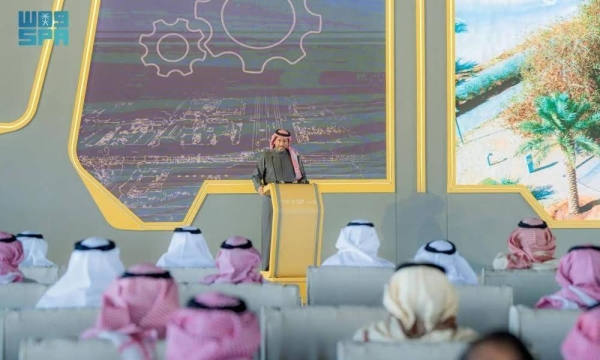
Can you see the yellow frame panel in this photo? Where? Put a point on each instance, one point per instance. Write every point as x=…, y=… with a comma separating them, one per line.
x=478, y=189
x=37, y=86
x=421, y=94
x=120, y=217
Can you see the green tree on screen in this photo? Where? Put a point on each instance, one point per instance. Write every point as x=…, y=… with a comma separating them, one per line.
x=565, y=123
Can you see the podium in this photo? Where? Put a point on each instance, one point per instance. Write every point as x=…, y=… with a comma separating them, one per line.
x=297, y=232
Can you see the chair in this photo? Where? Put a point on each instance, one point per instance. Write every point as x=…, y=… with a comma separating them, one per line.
x=21, y=295
x=345, y=285
x=42, y=323
x=312, y=332
x=528, y=285
x=405, y=350
x=190, y=275
x=43, y=275
x=543, y=329
x=255, y=295
x=61, y=349
x=484, y=308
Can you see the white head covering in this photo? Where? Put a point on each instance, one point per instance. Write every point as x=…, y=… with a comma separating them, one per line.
x=445, y=254
x=423, y=305
x=188, y=248
x=35, y=249
x=357, y=246
x=93, y=265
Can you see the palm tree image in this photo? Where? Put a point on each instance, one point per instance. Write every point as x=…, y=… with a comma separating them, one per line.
x=528, y=111
x=564, y=124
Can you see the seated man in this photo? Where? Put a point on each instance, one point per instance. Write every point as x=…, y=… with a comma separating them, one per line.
x=357, y=246
x=188, y=248
x=94, y=264
x=445, y=254
x=35, y=249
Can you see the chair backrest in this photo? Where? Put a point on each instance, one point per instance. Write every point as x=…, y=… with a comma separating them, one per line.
x=345, y=285
x=255, y=295
x=42, y=323
x=42, y=275
x=21, y=295
x=543, y=329
x=61, y=349
x=484, y=308
x=405, y=350
x=311, y=333
x=190, y=275
x=528, y=285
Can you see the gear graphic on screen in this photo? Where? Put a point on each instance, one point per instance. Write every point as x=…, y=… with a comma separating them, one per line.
x=173, y=37
x=220, y=40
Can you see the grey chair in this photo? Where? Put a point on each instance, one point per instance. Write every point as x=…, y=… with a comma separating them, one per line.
x=405, y=350
x=528, y=285
x=543, y=330
x=67, y=349
x=345, y=285
x=311, y=333
x=255, y=296
x=43, y=323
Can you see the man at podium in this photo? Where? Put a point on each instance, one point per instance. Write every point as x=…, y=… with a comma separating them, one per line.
x=280, y=164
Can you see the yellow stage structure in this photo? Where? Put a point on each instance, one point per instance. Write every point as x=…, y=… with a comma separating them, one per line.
x=297, y=233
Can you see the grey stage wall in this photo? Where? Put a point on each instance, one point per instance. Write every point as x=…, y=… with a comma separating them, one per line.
x=40, y=190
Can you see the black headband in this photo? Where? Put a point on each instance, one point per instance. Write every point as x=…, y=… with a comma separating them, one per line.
x=524, y=225
x=431, y=249
x=12, y=238
x=420, y=264
x=32, y=236
x=239, y=308
x=247, y=245
x=190, y=230
x=278, y=133
x=585, y=247
x=162, y=275
x=360, y=224
x=81, y=247
x=595, y=306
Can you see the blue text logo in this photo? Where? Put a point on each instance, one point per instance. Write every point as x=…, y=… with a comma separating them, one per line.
x=37, y=26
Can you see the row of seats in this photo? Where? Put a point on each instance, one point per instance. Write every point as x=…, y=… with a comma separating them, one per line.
x=287, y=333
x=361, y=285
x=364, y=286
x=483, y=308
x=49, y=275
x=59, y=349
x=26, y=295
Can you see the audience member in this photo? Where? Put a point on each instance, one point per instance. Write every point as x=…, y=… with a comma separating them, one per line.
x=213, y=326
x=11, y=254
x=94, y=264
x=188, y=248
x=531, y=246
x=500, y=345
x=583, y=341
x=237, y=262
x=423, y=305
x=35, y=249
x=135, y=310
x=357, y=245
x=445, y=254
x=578, y=275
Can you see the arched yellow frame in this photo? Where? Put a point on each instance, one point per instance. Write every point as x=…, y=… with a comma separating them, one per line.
x=121, y=217
x=37, y=86
x=495, y=189
x=421, y=93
